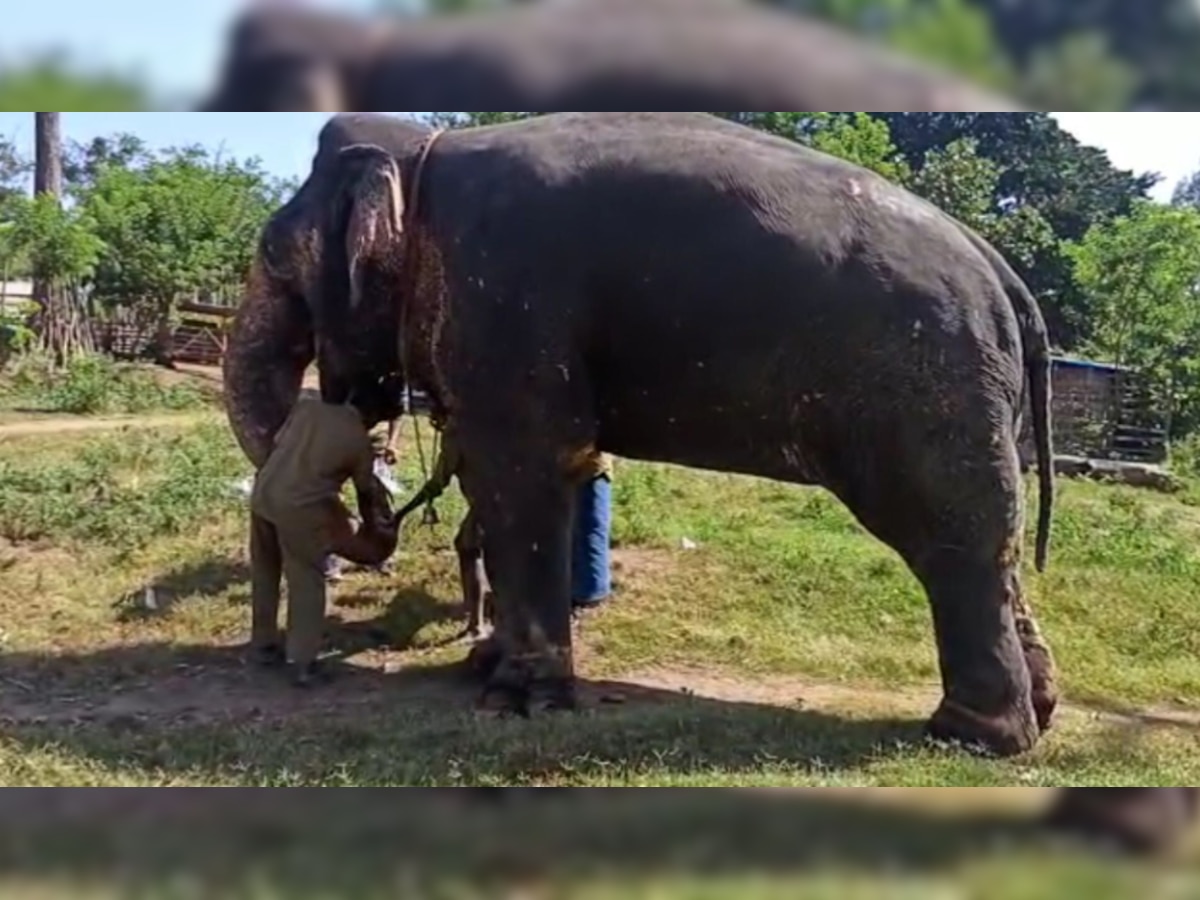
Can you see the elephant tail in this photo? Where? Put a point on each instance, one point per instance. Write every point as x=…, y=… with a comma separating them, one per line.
x=1035, y=343
x=1039, y=368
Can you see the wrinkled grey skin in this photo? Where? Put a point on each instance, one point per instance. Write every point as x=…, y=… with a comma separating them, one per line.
x=588, y=55
x=673, y=287
x=669, y=286
x=297, y=306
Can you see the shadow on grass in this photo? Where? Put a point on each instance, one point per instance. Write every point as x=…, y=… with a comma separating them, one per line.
x=410, y=611
x=300, y=843
x=205, y=714
x=195, y=581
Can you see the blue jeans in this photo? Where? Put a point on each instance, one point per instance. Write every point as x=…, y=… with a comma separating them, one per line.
x=591, y=574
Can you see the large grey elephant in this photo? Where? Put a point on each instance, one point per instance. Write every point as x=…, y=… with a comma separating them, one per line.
x=589, y=54
x=673, y=287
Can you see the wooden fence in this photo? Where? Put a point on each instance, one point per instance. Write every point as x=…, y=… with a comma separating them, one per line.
x=200, y=338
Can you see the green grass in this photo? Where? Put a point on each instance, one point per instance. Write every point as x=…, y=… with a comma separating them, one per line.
x=93, y=385
x=786, y=649
x=808, y=641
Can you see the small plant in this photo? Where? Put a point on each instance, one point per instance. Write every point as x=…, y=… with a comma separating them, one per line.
x=93, y=384
x=121, y=490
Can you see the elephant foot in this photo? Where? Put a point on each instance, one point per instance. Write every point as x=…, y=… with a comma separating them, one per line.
x=307, y=676
x=484, y=658
x=1005, y=734
x=269, y=656
x=1134, y=820
x=1044, y=685
x=1042, y=672
x=526, y=684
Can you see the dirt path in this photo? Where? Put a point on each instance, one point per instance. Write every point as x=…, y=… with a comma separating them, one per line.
x=222, y=688
x=62, y=425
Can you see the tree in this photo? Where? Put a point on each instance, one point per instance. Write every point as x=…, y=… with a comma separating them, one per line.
x=857, y=137
x=1142, y=274
x=1043, y=168
x=61, y=323
x=52, y=82
x=64, y=251
x=963, y=183
x=1187, y=192
x=13, y=170
x=83, y=163
x=1079, y=73
x=474, y=119
x=182, y=222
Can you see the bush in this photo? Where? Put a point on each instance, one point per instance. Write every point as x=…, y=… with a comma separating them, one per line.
x=93, y=384
x=120, y=490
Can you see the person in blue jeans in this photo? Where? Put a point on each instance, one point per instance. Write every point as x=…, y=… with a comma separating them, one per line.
x=591, y=552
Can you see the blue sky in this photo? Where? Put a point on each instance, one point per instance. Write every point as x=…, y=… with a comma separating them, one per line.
x=1159, y=142
x=285, y=142
x=176, y=44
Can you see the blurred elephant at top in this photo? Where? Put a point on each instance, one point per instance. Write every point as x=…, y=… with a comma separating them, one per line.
x=591, y=54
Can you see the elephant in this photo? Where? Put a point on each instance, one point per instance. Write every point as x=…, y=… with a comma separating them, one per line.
x=832, y=328
x=589, y=54
x=673, y=287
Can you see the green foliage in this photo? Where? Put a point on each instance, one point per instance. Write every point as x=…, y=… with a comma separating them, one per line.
x=1080, y=73
x=176, y=223
x=956, y=35
x=16, y=337
x=51, y=83
x=84, y=163
x=1142, y=275
x=13, y=169
x=859, y=138
x=474, y=119
x=57, y=240
x=90, y=385
x=1187, y=192
x=1044, y=169
x=121, y=491
x=964, y=184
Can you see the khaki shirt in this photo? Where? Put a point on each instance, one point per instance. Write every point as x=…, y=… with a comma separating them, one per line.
x=320, y=446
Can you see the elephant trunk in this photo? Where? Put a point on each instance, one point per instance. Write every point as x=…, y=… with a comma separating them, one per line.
x=270, y=346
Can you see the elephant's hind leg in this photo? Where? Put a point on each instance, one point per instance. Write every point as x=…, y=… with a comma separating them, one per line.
x=952, y=508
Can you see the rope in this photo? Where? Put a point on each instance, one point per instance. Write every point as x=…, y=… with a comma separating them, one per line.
x=430, y=515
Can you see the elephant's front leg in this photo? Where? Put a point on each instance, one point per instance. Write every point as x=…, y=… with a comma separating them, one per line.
x=526, y=539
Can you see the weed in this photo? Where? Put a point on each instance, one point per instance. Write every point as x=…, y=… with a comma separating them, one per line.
x=120, y=491
x=90, y=385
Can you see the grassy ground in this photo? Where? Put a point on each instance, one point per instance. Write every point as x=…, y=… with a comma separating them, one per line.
x=97, y=385
x=786, y=648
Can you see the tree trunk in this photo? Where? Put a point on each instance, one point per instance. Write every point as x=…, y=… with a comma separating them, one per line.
x=48, y=175
x=61, y=322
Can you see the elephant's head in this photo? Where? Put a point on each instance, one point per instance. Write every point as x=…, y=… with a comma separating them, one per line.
x=324, y=283
x=295, y=60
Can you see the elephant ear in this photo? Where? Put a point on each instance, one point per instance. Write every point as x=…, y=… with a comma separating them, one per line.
x=375, y=220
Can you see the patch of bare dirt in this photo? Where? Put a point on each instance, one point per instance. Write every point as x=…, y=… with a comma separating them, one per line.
x=629, y=563
x=227, y=689
x=63, y=425
x=914, y=700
